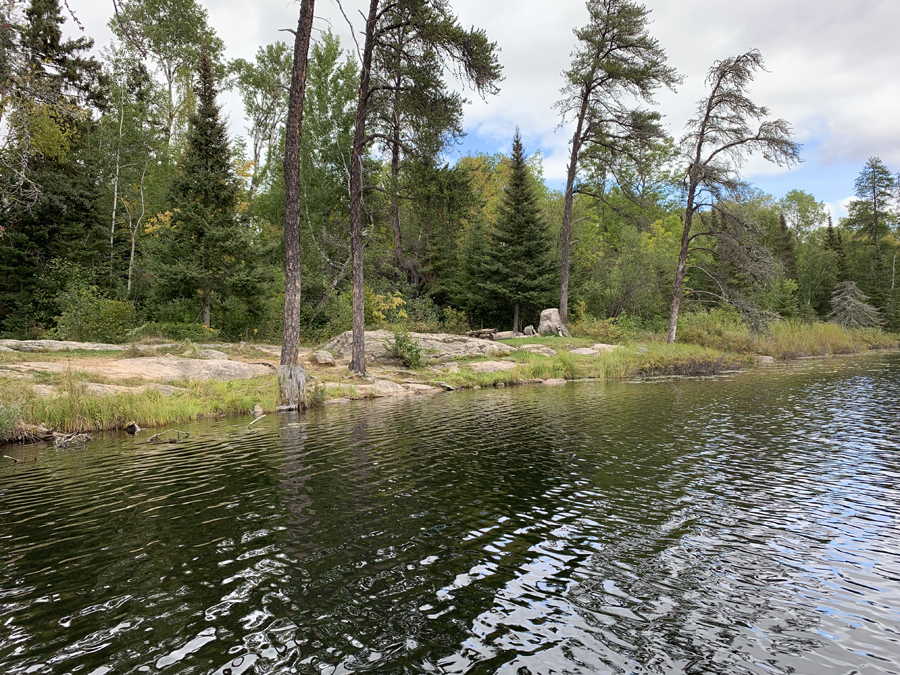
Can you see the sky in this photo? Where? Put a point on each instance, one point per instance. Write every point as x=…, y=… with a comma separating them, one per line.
x=833, y=71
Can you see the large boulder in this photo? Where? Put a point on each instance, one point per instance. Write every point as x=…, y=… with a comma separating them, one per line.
x=551, y=324
x=438, y=347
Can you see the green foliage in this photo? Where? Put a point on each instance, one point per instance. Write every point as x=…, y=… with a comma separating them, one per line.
x=782, y=299
x=406, y=350
x=874, y=211
x=455, y=321
x=803, y=212
x=200, y=248
x=89, y=316
x=519, y=268
x=720, y=328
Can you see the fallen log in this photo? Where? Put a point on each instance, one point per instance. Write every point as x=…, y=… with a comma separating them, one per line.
x=483, y=334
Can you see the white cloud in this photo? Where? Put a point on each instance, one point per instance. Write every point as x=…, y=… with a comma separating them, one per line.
x=832, y=65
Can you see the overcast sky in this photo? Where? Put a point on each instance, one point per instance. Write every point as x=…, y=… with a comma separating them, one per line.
x=834, y=72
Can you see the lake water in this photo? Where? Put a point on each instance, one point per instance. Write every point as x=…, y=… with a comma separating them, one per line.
x=748, y=524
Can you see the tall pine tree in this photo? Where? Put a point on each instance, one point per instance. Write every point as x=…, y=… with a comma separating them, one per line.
x=204, y=249
x=519, y=270
x=48, y=177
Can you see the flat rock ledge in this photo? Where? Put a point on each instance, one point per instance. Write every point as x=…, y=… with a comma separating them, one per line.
x=56, y=346
x=152, y=368
x=439, y=347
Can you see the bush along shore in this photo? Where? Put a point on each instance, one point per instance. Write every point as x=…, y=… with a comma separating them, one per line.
x=81, y=391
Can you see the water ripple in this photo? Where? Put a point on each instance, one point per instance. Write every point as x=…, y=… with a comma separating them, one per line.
x=742, y=525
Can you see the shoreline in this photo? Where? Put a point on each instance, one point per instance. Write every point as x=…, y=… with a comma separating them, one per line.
x=75, y=410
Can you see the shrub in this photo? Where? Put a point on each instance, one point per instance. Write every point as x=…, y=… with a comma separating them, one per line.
x=720, y=328
x=406, y=350
x=88, y=315
x=455, y=321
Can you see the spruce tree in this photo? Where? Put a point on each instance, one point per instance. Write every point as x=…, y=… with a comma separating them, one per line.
x=204, y=249
x=834, y=242
x=786, y=248
x=850, y=309
x=519, y=270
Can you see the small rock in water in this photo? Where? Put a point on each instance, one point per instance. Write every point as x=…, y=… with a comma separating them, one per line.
x=257, y=410
x=554, y=382
x=132, y=428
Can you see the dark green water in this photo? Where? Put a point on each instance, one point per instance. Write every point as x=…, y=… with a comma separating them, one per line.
x=741, y=525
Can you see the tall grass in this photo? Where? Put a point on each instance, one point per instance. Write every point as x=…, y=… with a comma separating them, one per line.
x=73, y=410
x=622, y=364
x=789, y=339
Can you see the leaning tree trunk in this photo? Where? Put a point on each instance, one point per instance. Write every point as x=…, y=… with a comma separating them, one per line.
x=567, y=214
x=682, y=266
x=291, y=375
x=358, y=351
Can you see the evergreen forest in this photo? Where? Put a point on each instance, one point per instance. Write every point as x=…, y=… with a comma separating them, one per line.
x=127, y=211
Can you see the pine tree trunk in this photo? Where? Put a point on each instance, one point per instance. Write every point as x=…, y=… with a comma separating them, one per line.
x=291, y=376
x=682, y=266
x=358, y=352
x=567, y=214
x=395, y=177
x=395, y=206
x=516, y=318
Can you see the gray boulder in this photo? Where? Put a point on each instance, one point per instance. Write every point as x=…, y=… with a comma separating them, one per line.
x=388, y=388
x=551, y=324
x=508, y=335
x=322, y=358
x=438, y=347
x=530, y=331
x=213, y=355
